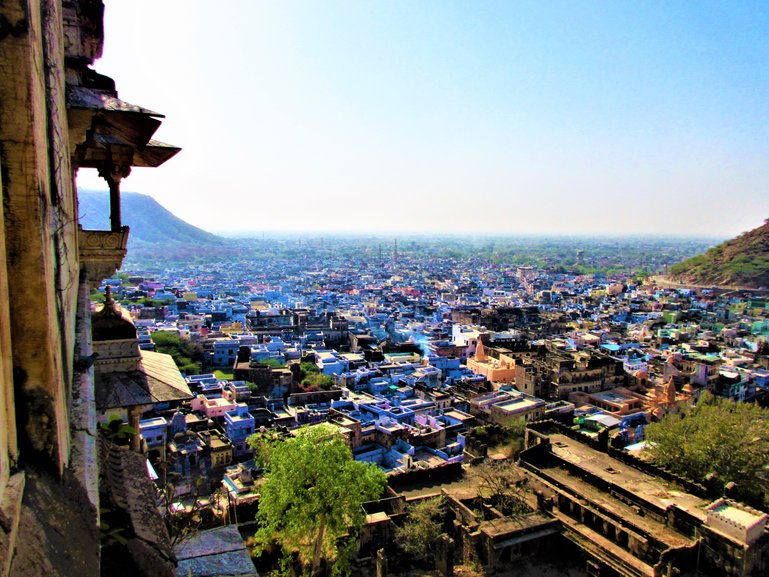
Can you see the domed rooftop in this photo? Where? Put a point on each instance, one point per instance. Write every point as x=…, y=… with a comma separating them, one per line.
x=111, y=322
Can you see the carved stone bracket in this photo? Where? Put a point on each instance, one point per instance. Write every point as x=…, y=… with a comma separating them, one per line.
x=102, y=252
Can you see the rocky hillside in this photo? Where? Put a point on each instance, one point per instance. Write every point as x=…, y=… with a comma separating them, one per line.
x=742, y=261
x=156, y=234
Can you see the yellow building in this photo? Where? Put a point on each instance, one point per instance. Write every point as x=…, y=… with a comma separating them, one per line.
x=496, y=370
x=233, y=328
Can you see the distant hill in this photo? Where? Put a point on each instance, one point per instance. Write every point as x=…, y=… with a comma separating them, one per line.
x=742, y=261
x=156, y=233
x=149, y=221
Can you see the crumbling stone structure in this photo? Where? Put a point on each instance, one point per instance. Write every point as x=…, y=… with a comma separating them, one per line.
x=56, y=115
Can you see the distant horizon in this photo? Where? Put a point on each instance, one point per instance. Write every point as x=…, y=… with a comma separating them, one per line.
x=234, y=233
x=578, y=117
x=395, y=235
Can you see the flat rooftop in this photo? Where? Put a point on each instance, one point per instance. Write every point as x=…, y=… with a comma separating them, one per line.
x=738, y=515
x=428, y=457
x=345, y=421
x=519, y=404
x=153, y=422
x=217, y=443
x=235, y=417
x=458, y=415
x=644, y=486
x=613, y=397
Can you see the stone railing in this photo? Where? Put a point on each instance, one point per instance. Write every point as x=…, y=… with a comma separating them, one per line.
x=102, y=252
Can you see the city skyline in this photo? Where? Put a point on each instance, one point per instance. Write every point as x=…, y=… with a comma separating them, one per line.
x=435, y=118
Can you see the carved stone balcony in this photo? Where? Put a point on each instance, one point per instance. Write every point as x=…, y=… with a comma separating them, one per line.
x=102, y=252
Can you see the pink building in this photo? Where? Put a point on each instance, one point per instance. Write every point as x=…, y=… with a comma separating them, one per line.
x=212, y=407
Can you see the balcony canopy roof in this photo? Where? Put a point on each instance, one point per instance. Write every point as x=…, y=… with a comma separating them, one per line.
x=111, y=124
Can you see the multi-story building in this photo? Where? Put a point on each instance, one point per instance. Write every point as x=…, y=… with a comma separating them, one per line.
x=504, y=407
x=238, y=426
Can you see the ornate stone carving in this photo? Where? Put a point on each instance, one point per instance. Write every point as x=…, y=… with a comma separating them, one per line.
x=102, y=252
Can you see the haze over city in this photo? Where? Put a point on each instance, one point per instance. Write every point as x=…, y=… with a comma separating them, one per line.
x=435, y=117
x=431, y=288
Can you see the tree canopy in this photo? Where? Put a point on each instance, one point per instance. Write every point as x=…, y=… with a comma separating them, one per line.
x=311, y=379
x=508, y=439
x=313, y=494
x=187, y=355
x=716, y=436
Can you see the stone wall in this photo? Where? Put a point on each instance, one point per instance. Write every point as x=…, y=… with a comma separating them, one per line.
x=40, y=292
x=39, y=221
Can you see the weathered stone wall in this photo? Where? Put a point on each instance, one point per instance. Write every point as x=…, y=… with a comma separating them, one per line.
x=7, y=412
x=39, y=225
x=40, y=290
x=47, y=410
x=63, y=226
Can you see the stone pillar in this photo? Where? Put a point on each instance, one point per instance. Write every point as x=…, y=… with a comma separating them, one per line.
x=381, y=563
x=7, y=412
x=592, y=568
x=632, y=544
x=468, y=548
x=113, y=171
x=444, y=556
x=134, y=414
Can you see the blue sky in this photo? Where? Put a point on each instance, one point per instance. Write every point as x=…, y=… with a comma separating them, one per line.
x=418, y=117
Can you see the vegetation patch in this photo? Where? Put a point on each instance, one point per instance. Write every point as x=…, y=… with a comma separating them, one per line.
x=311, y=501
x=742, y=261
x=719, y=439
x=187, y=355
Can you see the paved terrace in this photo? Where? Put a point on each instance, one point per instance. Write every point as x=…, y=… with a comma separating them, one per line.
x=645, y=487
x=631, y=501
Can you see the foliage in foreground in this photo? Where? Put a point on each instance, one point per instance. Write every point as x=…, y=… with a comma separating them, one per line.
x=312, y=496
x=716, y=436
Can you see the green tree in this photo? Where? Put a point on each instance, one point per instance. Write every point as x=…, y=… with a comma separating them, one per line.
x=262, y=443
x=716, y=436
x=313, y=494
x=96, y=296
x=423, y=526
x=187, y=355
x=306, y=368
x=312, y=379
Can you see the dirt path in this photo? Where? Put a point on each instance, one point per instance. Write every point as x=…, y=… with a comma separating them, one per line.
x=665, y=282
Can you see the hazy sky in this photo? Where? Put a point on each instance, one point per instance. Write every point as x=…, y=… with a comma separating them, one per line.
x=474, y=116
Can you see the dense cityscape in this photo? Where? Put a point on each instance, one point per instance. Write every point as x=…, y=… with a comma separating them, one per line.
x=510, y=338
x=411, y=356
